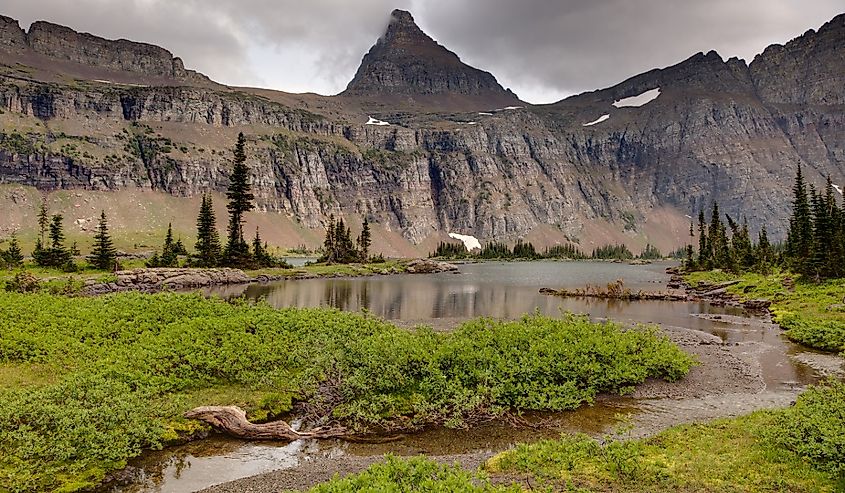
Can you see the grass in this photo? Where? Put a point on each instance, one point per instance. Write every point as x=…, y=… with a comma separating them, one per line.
x=57, y=281
x=88, y=383
x=813, y=314
x=798, y=449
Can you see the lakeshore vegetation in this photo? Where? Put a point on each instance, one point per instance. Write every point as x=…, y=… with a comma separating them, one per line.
x=87, y=383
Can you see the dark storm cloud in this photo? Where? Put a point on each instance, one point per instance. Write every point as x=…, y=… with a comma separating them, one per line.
x=543, y=49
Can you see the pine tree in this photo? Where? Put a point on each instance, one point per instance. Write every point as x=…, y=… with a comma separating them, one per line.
x=103, y=256
x=169, y=254
x=704, y=253
x=43, y=220
x=259, y=253
x=208, y=240
x=764, y=251
x=329, y=243
x=240, y=202
x=364, y=241
x=13, y=255
x=800, y=236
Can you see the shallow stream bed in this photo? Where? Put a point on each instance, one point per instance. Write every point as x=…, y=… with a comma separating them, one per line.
x=746, y=364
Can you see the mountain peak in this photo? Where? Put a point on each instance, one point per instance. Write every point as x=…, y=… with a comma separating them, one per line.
x=407, y=62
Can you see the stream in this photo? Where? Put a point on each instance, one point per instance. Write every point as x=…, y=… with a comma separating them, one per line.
x=747, y=364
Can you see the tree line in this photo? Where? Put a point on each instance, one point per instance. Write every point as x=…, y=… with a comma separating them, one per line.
x=525, y=250
x=51, y=250
x=814, y=246
x=339, y=248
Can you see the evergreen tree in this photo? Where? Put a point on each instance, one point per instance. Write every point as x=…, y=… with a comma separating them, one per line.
x=329, y=251
x=56, y=255
x=800, y=236
x=169, y=254
x=704, y=252
x=240, y=199
x=690, y=258
x=208, y=240
x=13, y=256
x=43, y=220
x=364, y=241
x=764, y=251
x=259, y=251
x=103, y=256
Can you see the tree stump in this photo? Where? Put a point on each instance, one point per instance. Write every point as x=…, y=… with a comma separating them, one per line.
x=232, y=421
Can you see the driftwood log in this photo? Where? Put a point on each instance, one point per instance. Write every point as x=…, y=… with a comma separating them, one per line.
x=232, y=421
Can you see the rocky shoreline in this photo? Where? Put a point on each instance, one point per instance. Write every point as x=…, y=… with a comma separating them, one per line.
x=152, y=280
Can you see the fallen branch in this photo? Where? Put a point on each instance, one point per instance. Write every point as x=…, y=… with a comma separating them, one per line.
x=232, y=421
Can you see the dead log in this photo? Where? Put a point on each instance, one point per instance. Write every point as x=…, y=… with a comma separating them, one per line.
x=232, y=421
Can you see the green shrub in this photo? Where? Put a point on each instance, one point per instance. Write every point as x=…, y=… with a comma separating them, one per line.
x=411, y=475
x=137, y=353
x=814, y=427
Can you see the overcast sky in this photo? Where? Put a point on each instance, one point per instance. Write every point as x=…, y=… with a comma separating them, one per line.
x=542, y=49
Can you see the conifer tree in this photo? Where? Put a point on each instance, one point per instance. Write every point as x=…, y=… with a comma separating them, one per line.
x=259, y=252
x=13, y=255
x=43, y=220
x=169, y=254
x=704, y=253
x=364, y=241
x=764, y=251
x=800, y=236
x=329, y=243
x=240, y=199
x=103, y=256
x=208, y=240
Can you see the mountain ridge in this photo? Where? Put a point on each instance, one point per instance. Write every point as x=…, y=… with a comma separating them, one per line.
x=454, y=162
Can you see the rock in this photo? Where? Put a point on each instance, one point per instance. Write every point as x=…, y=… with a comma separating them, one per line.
x=428, y=266
x=757, y=305
x=406, y=61
x=156, y=279
x=639, y=261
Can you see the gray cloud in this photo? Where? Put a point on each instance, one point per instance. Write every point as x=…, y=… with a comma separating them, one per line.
x=543, y=49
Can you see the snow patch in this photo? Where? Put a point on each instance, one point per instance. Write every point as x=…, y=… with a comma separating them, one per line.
x=597, y=120
x=485, y=113
x=513, y=107
x=636, y=101
x=838, y=189
x=373, y=121
x=470, y=242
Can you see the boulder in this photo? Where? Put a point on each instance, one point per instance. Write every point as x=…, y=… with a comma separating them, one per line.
x=428, y=266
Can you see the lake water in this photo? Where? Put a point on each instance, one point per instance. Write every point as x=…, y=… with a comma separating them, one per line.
x=503, y=290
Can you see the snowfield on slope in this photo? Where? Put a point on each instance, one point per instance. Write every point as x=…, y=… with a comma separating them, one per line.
x=639, y=100
x=470, y=242
x=597, y=120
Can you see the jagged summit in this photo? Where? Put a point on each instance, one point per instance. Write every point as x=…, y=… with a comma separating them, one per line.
x=406, y=61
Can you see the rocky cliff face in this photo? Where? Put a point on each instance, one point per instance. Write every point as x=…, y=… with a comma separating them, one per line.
x=719, y=130
x=63, y=43
x=405, y=61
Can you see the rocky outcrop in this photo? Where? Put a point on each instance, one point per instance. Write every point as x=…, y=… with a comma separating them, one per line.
x=807, y=70
x=58, y=42
x=151, y=280
x=428, y=266
x=406, y=61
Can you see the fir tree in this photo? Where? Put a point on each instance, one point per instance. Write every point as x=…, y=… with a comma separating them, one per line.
x=103, y=256
x=13, y=256
x=240, y=202
x=329, y=243
x=259, y=252
x=169, y=254
x=208, y=240
x=704, y=253
x=364, y=241
x=764, y=251
x=43, y=220
x=800, y=236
